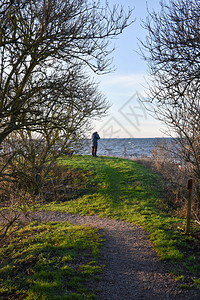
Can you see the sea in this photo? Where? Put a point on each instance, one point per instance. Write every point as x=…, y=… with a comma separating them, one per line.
x=124, y=147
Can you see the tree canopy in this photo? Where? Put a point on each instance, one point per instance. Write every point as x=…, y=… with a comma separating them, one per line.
x=172, y=51
x=39, y=41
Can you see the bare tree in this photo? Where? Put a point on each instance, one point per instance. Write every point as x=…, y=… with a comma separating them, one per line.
x=172, y=51
x=173, y=47
x=36, y=38
x=46, y=100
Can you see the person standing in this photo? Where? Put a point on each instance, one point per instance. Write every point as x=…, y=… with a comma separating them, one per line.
x=95, y=138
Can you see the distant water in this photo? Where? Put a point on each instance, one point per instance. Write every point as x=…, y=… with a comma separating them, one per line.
x=123, y=147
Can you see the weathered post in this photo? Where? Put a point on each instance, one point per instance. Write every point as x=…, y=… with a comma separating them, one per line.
x=124, y=151
x=190, y=185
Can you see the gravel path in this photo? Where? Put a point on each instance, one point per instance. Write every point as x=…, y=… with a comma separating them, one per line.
x=133, y=269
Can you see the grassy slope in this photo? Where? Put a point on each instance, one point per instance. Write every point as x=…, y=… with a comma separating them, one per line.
x=125, y=190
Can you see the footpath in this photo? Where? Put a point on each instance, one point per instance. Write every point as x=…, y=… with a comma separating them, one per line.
x=133, y=269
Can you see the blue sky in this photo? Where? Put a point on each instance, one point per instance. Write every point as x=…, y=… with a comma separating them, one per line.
x=123, y=87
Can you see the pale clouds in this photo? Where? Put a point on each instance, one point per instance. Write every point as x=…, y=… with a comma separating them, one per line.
x=122, y=81
x=127, y=115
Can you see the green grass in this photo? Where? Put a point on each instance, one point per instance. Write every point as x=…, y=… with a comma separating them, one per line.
x=50, y=261
x=126, y=190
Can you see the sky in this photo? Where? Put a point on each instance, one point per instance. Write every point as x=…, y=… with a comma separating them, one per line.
x=127, y=117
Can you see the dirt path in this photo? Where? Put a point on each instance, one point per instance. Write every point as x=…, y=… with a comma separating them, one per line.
x=133, y=269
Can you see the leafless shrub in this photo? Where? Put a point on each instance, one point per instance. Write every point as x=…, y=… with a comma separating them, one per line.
x=14, y=208
x=175, y=174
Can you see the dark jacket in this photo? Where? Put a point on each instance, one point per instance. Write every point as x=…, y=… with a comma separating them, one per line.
x=95, y=137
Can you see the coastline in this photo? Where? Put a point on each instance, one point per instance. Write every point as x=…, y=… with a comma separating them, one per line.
x=123, y=147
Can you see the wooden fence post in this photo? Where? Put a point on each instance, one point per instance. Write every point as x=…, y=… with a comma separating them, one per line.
x=190, y=185
x=124, y=151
